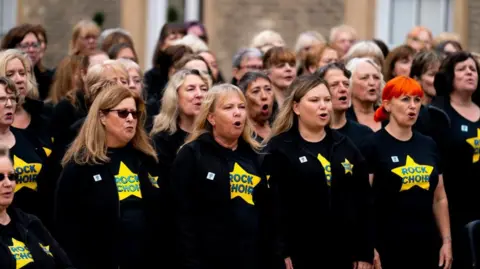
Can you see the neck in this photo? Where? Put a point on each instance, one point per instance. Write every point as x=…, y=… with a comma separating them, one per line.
x=20, y=110
x=4, y=218
x=225, y=142
x=114, y=143
x=311, y=135
x=399, y=132
x=461, y=99
x=427, y=99
x=339, y=119
x=279, y=95
x=4, y=130
x=186, y=123
x=362, y=107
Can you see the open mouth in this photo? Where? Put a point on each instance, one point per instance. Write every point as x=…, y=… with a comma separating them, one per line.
x=323, y=115
x=412, y=114
x=373, y=90
x=237, y=123
x=342, y=98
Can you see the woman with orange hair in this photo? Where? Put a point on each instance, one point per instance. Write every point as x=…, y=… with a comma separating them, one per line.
x=409, y=195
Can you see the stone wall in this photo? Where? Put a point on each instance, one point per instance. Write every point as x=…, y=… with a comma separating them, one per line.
x=474, y=25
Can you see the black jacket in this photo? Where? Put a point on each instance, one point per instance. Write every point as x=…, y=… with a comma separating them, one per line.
x=167, y=145
x=30, y=230
x=320, y=225
x=87, y=214
x=206, y=213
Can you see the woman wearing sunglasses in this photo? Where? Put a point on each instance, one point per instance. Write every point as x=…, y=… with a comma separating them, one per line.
x=106, y=204
x=24, y=241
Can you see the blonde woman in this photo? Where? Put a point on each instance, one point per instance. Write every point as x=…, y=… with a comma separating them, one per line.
x=321, y=182
x=84, y=37
x=135, y=76
x=181, y=104
x=365, y=49
x=106, y=199
x=220, y=192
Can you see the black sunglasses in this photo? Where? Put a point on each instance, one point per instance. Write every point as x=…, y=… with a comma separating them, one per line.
x=10, y=176
x=123, y=113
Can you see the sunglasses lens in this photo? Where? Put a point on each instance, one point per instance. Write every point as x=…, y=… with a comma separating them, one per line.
x=124, y=114
x=10, y=176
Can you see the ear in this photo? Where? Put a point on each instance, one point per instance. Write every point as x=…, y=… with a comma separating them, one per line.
x=103, y=118
x=211, y=119
x=295, y=109
x=387, y=105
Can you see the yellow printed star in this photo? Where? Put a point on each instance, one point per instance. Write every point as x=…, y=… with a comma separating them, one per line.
x=27, y=173
x=475, y=143
x=127, y=183
x=46, y=249
x=47, y=151
x=21, y=253
x=153, y=180
x=348, y=167
x=414, y=174
x=326, y=167
x=242, y=184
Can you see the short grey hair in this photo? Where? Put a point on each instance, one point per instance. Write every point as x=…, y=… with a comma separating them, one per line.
x=245, y=53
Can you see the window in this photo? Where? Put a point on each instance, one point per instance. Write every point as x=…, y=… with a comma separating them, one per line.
x=8, y=15
x=395, y=18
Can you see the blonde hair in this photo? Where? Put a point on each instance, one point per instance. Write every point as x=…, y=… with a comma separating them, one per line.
x=202, y=125
x=341, y=28
x=192, y=41
x=353, y=65
x=10, y=54
x=97, y=73
x=63, y=82
x=167, y=118
x=87, y=26
x=307, y=39
x=286, y=117
x=267, y=38
x=365, y=49
x=90, y=146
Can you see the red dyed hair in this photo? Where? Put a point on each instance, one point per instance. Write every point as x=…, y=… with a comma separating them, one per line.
x=395, y=88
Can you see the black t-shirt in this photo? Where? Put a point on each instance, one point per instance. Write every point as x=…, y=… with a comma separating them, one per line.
x=27, y=164
x=355, y=131
x=322, y=151
x=133, y=223
x=16, y=248
x=245, y=226
x=405, y=179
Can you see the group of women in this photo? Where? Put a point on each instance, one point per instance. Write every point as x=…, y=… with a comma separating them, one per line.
x=330, y=169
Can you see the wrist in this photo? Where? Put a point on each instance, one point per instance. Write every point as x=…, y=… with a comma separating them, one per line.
x=447, y=239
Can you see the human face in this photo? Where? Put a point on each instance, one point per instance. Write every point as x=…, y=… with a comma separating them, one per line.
x=97, y=59
x=366, y=83
x=16, y=71
x=199, y=65
x=339, y=84
x=126, y=53
x=134, y=81
x=8, y=104
x=170, y=39
x=314, y=109
x=427, y=79
x=259, y=97
x=119, y=131
x=212, y=63
x=466, y=76
x=191, y=94
x=420, y=41
x=31, y=46
x=404, y=109
x=328, y=56
x=229, y=116
x=112, y=75
x=344, y=41
x=283, y=74
x=43, y=45
x=248, y=64
x=7, y=186
x=88, y=41
x=402, y=67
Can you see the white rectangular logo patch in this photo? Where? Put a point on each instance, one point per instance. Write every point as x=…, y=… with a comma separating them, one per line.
x=97, y=178
x=303, y=159
x=464, y=128
x=395, y=159
x=210, y=175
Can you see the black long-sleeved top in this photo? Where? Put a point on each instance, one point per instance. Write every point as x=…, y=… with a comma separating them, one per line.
x=323, y=194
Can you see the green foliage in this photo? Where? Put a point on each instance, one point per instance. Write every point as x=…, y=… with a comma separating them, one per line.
x=99, y=18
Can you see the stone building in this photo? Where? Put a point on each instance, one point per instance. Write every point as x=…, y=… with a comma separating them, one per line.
x=232, y=23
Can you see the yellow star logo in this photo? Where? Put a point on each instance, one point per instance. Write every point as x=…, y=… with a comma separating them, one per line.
x=242, y=184
x=27, y=173
x=46, y=249
x=414, y=174
x=127, y=183
x=21, y=253
x=326, y=167
x=153, y=180
x=475, y=143
x=47, y=151
x=348, y=167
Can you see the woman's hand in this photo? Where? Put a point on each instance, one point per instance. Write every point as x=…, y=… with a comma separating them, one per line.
x=288, y=263
x=362, y=265
x=376, y=260
x=446, y=255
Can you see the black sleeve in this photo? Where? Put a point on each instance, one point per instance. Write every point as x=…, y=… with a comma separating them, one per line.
x=62, y=118
x=67, y=207
x=276, y=166
x=368, y=151
x=363, y=206
x=182, y=178
x=165, y=149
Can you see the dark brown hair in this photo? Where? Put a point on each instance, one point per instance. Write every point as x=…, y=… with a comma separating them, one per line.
x=399, y=53
x=16, y=35
x=278, y=55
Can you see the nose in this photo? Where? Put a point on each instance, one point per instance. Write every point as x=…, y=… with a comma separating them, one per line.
x=263, y=95
x=18, y=79
x=9, y=103
x=131, y=84
x=129, y=117
x=7, y=183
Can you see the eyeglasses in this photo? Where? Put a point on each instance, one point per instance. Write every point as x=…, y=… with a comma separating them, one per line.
x=4, y=100
x=123, y=113
x=10, y=176
x=28, y=45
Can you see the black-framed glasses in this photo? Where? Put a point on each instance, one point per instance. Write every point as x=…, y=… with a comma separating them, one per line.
x=123, y=113
x=4, y=100
x=10, y=176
